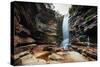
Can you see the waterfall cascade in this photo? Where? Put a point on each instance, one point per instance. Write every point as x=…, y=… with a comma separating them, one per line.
x=65, y=29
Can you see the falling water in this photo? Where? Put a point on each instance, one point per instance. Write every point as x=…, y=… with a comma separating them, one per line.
x=65, y=29
x=88, y=42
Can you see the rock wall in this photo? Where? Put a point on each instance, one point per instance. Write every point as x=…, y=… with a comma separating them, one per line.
x=83, y=23
x=83, y=30
x=34, y=21
x=33, y=24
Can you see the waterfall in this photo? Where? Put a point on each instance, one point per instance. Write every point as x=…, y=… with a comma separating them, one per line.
x=88, y=41
x=65, y=29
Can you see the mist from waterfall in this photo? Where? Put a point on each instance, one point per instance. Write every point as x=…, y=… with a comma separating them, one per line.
x=65, y=29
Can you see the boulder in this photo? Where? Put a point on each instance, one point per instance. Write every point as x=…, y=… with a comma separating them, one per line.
x=30, y=59
x=55, y=56
x=53, y=62
x=73, y=56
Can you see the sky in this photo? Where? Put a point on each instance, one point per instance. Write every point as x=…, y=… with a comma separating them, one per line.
x=62, y=8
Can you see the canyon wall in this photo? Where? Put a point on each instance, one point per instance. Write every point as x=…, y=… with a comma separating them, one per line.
x=32, y=24
x=83, y=30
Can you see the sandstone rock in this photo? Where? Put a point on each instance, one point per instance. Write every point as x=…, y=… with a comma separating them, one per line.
x=55, y=56
x=57, y=49
x=80, y=43
x=73, y=56
x=16, y=56
x=61, y=53
x=53, y=62
x=20, y=40
x=24, y=48
x=40, y=54
x=30, y=59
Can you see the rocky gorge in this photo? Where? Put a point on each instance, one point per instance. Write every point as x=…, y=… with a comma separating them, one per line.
x=36, y=34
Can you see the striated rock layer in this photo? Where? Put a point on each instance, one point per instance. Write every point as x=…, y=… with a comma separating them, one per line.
x=83, y=30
